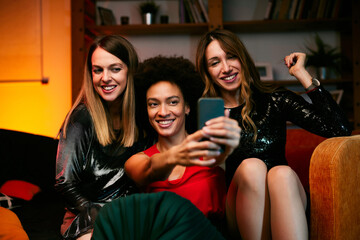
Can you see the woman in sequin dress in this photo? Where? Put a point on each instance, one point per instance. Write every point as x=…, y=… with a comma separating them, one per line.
x=265, y=196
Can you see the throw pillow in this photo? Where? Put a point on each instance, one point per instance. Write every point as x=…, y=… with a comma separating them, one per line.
x=19, y=189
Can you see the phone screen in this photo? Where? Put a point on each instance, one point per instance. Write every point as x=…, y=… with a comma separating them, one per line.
x=209, y=108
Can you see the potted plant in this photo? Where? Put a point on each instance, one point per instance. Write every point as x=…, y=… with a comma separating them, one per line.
x=148, y=11
x=325, y=58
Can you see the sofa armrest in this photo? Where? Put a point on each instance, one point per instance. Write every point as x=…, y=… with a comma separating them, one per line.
x=334, y=189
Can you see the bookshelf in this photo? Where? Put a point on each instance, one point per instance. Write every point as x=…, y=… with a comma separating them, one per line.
x=138, y=29
x=264, y=26
x=84, y=30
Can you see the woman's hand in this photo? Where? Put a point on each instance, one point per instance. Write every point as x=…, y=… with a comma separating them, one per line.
x=223, y=131
x=191, y=151
x=195, y=150
x=296, y=65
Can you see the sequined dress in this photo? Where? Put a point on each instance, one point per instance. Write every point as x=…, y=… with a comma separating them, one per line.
x=87, y=174
x=272, y=110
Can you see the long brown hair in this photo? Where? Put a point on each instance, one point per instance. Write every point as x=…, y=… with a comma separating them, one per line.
x=124, y=50
x=231, y=44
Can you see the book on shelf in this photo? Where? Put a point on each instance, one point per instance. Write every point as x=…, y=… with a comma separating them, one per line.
x=328, y=9
x=269, y=9
x=321, y=10
x=204, y=11
x=293, y=8
x=313, y=9
x=300, y=9
x=188, y=13
x=284, y=9
x=303, y=9
x=276, y=10
x=182, y=11
x=336, y=9
x=260, y=10
x=192, y=11
x=196, y=11
x=199, y=11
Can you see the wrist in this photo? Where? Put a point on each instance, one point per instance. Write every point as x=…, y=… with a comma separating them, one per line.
x=171, y=157
x=314, y=84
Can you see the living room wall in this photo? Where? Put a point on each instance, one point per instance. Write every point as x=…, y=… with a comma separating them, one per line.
x=35, y=43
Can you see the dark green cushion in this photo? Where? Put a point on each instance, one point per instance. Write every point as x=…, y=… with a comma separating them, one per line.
x=163, y=215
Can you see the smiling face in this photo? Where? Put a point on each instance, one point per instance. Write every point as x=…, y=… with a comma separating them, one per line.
x=224, y=68
x=109, y=75
x=166, y=109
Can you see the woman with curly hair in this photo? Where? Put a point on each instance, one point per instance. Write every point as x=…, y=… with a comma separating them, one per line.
x=179, y=161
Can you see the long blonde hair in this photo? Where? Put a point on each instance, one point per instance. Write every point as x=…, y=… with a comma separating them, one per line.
x=231, y=44
x=123, y=49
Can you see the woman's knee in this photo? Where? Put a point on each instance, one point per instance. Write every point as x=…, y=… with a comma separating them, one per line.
x=283, y=182
x=251, y=174
x=282, y=177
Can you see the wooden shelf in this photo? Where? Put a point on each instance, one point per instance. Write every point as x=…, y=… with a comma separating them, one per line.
x=288, y=25
x=236, y=26
x=142, y=29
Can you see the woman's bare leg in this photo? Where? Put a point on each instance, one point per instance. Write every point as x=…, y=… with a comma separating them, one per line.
x=288, y=204
x=86, y=236
x=247, y=205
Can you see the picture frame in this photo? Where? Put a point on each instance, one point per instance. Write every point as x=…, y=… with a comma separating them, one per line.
x=337, y=95
x=265, y=71
x=106, y=16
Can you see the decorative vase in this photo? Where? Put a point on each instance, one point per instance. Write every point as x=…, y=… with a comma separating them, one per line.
x=148, y=18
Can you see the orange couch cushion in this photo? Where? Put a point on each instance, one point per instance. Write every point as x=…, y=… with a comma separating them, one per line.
x=10, y=226
x=300, y=144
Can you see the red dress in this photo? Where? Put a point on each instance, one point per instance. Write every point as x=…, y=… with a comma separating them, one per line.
x=204, y=186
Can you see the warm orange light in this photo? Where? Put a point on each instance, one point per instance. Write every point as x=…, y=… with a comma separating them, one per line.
x=34, y=107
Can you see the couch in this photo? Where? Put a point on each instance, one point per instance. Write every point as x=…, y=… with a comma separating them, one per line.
x=334, y=189
x=330, y=170
x=332, y=180
x=31, y=159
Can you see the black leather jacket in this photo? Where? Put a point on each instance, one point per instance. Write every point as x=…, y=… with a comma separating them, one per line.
x=87, y=174
x=272, y=110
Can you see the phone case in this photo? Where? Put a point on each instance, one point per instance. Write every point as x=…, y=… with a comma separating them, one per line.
x=209, y=108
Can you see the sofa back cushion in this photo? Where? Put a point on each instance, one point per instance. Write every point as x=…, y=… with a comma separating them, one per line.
x=27, y=157
x=300, y=144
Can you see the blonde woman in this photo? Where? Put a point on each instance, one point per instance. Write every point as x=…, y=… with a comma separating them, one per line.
x=98, y=135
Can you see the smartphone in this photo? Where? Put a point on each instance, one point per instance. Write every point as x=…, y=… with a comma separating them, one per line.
x=209, y=108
